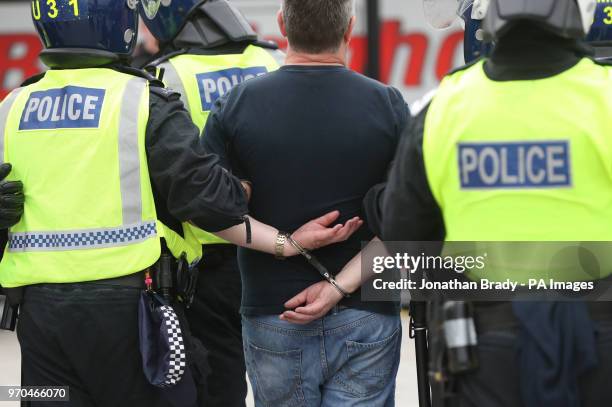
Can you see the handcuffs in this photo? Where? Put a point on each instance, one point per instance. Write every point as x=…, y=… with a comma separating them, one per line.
x=283, y=237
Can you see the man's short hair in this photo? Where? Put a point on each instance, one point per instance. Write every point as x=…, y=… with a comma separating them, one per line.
x=316, y=26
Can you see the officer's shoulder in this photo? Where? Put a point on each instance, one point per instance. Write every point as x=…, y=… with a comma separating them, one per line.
x=448, y=86
x=460, y=80
x=164, y=93
x=151, y=79
x=33, y=79
x=604, y=65
x=157, y=87
x=463, y=67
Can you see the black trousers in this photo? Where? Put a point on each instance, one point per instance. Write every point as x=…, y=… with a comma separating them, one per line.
x=215, y=320
x=85, y=336
x=496, y=382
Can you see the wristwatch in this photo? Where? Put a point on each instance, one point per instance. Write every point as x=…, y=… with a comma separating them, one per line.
x=279, y=247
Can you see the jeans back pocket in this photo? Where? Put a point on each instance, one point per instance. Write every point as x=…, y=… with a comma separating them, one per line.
x=369, y=366
x=277, y=376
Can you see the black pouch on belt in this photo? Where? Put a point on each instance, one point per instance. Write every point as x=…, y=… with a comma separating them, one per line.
x=163, y=349
x=186, y=281
x=10, y=298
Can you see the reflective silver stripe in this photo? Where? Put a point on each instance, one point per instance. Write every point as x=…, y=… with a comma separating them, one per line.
x=460, y=333
x=5, y=109
x=129, y=156
x=81, y=239
x=279, y=56
x=173, y=81
x=417, y=107
x=133, y=229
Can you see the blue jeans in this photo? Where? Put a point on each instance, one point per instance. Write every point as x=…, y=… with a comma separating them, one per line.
x=348, y=358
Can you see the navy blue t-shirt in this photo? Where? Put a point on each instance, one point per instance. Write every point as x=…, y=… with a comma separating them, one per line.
x=311, y=139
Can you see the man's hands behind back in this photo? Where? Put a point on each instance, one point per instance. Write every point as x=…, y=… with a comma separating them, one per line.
x=311, y=304
x=317, y=233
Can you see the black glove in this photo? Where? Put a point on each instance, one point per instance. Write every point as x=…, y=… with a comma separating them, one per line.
x=11, y=199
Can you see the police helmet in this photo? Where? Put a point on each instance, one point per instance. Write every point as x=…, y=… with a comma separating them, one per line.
x=472, y=14
x=443, y=13
x=98, y=29
x=600, y=36
x=565, y=18
x=486, y=20
x=209, y=22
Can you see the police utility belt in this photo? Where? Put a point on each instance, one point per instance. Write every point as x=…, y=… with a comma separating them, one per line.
x=173, y=280
x=454, y=328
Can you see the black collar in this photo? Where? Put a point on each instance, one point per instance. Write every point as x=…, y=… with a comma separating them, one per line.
x=528, y=53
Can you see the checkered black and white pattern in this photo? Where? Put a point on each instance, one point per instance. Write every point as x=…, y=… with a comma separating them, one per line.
x=178, y=357
x=81, y=239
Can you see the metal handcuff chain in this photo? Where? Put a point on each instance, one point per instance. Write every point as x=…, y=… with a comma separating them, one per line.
x=313, y=261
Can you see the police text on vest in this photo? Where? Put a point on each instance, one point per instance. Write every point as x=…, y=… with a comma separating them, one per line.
x=542, y=164
x=72, y=107
x=213, y=85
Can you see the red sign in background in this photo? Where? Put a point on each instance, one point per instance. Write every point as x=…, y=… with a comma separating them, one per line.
x=391, y=39
x=26, y=64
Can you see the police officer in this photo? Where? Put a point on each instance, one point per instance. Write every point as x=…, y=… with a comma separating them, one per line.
x=207, y=47
x=111, y=164
x=516, y=147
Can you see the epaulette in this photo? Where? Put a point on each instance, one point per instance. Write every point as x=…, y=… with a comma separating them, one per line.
x=165, y=93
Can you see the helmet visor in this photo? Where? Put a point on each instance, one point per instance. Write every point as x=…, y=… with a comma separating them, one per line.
x=463, y=6
x=170, y=16
x=441, y=13
x=588, y=10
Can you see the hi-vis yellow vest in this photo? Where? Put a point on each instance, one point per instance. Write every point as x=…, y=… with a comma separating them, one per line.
x=523, y=160
x=202, y=79
x=76, y=139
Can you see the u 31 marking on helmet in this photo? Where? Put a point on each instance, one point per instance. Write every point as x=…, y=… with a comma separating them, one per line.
x=59, y=10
